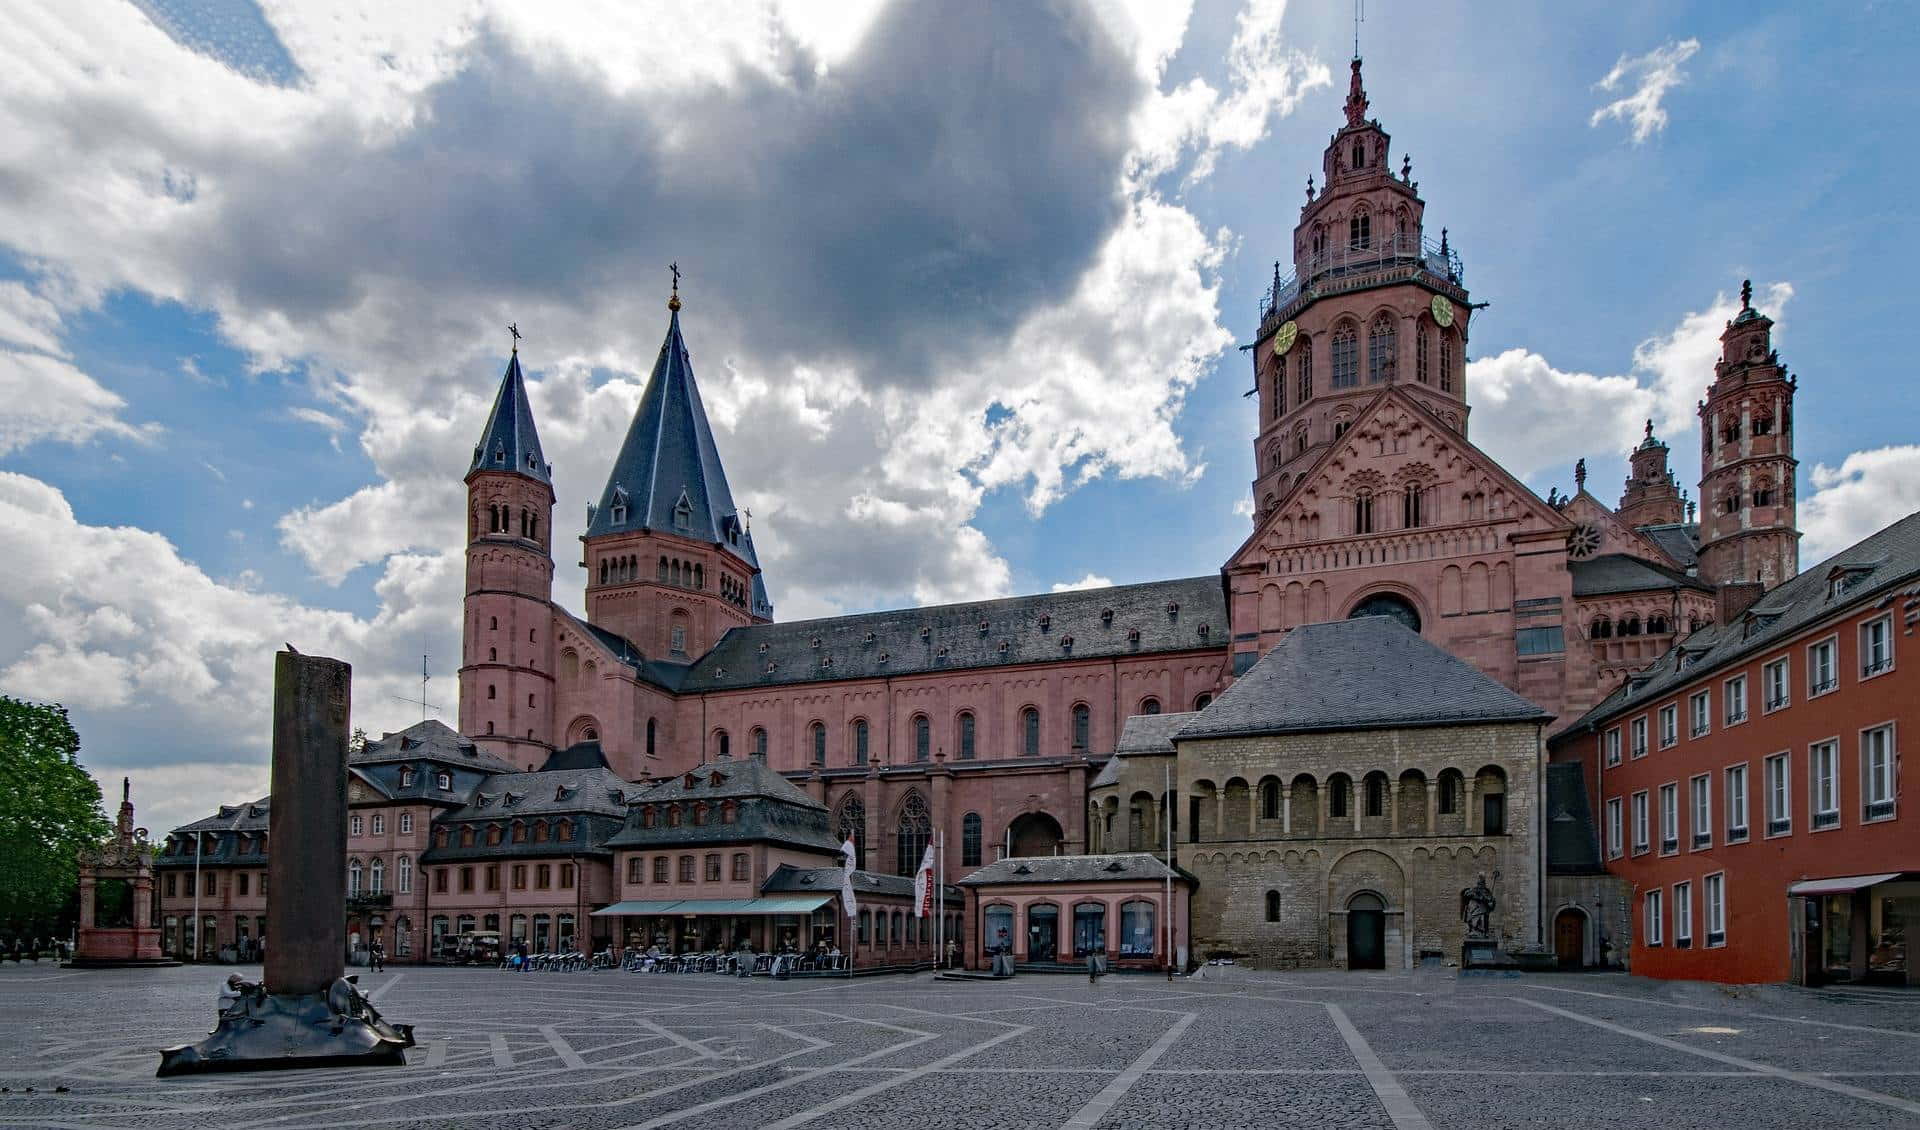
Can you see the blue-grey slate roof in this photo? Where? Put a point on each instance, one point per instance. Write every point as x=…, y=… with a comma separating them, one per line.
x=1180, y=615
x=594, y=798
x=1365, y=673
x=1680, y=540
x=766, y=807
x=509, y=441
x=1119, y=867
x=1882, y=566
x=1150, y=733
x=668, y=476
x=1617, y=573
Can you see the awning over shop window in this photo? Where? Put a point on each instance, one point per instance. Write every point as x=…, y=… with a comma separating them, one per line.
x=782, y=904
x=1840, y=886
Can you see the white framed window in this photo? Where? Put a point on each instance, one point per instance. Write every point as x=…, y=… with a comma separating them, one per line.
x=1611, y=742
x=403, y=875
x=1713, y=893
x=1637, y=729
x=1640, y=822
x=1879, y=771
x=1669, y=724
x=1734, y=692
x=1700, y=802
x=355, y=825
x=1669, y=818
x=379, y=823
x=1779, y=786
x=1683, y=914
x=1822, y=670
x=1823, y=785
x=1699, y=714
x=1656, y=917
x=1876, y=647
x=1616, y=828
x=406, y=823
x=1776, y=684
x=1737, y=803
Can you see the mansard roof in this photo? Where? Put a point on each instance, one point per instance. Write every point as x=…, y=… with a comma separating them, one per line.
x=788, y=879
x=1123, y=620
x=431, y=741
x=1612, y=573
x=668, y=476
x=1885, y=567
x=250, y=817
x=1132, y=866
x=1365, y=673
x=766, y=807
x=547, y=792
x=509, y=441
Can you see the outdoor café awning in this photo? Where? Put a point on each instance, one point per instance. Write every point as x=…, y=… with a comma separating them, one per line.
x=1839, y=886
x=776, y=904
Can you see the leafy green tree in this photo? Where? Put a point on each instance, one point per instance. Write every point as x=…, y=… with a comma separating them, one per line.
x=49, y=810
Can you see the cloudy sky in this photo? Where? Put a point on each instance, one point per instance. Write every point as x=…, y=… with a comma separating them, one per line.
x=964, y=284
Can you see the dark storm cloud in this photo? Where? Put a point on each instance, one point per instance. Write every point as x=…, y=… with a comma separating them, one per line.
x=956, y=171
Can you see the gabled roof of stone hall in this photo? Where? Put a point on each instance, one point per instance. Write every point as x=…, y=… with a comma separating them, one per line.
x=1679, y=540
x=1365, y=673
x=668, y=473
x=509, y=441
x=1132, y=866
x=1120, y=621
x=1884, y=568
x=1612, y=573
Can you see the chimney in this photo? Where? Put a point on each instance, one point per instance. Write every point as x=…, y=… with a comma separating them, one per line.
x=1735, y=597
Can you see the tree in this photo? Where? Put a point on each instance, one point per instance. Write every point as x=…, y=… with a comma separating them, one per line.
x=49, y=810
x=358, y=741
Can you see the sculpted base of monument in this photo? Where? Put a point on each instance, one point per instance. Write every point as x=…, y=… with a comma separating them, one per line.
x=305, y=1013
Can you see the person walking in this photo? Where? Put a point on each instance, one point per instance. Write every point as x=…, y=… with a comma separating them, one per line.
x=376, y=958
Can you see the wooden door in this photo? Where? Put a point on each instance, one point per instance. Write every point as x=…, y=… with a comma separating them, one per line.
x=1569, y=938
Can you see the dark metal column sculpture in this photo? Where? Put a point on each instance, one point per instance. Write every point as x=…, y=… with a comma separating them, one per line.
x=305, y=1014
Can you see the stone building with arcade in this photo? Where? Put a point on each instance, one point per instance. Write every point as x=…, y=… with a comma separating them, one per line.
x=1030, y=726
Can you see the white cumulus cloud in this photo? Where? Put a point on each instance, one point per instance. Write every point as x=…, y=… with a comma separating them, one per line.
x=1090, y=581
x=1646, y=81
x=1866, y=492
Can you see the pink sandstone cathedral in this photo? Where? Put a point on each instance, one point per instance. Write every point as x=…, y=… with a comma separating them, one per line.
x=988, y=719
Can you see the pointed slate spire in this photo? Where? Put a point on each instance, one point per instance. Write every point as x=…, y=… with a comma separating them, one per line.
x=509, y=442
x=668, y=476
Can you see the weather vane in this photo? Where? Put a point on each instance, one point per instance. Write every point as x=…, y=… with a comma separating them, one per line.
x=673, y=302
x=1359, y=14
x=514, y=329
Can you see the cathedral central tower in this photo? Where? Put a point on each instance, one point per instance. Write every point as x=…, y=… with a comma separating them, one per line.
x=1371, y=301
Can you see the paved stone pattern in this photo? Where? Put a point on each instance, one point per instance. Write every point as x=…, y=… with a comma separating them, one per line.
x=637, y=1050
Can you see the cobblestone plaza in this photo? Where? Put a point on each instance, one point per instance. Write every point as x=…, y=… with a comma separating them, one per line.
x=1243, y=1049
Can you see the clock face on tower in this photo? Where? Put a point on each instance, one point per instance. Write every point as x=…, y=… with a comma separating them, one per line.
x=1442, y=311
x=1284, y=337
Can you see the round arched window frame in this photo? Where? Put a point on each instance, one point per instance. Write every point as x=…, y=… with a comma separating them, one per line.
x=1390, y=605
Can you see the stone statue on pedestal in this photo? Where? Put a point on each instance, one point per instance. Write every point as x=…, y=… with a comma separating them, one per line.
x=1476, y=908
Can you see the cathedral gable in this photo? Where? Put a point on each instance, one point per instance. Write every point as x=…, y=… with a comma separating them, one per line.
x=1597, y=530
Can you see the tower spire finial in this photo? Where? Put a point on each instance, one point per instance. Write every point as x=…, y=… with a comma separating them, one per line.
x=673, y=302
x=1359, y=15
x=514, y=329
x=1356, y=96
x=1746, y=294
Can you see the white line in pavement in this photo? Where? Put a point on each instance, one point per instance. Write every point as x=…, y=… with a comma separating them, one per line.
x=701, y=1050
x=437, y=1053
x=873, y=1089
x=1808, y=1078
x=1098, y=1106
x=1392, y=1095
x=1725, y=1011
x=561, y=1048
x=381, y=990
x=501, y=1056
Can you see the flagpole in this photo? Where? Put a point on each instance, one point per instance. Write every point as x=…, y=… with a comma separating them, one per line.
x=1168, y=821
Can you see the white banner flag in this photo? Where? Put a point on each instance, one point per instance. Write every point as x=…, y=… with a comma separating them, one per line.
x=923, y=886
x=849, y=859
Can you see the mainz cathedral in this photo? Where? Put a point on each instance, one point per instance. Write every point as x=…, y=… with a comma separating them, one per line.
x=1340, y=728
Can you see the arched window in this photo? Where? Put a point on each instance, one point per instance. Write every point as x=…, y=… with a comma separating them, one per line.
x=1360, y=226
x=1338, y=788
x=1763, y=495
x=1656, y=625
x=1030, y=732
x=493, y=623
x=651, y=729
x=1270, y=800
x=490, y=691
x=1303, y=369
x=1273, y=906
x=1150, y=706
x=970, y=840
x=860, y=733
x=1629, y=625
x=1413, y=507
x=966, y=735
x=1389, y=605
x=1447, y=802
x=818, y=735
x=1202, y=702
x=1082, y=726
x=922, y=738
x=1363, y=513
x=1382, y=344
x=354, y=872
x=850, y=823
x=377, y=877
x=758, y=742
x=1359, y=153
x=722, y=745
x=1376, y=784
x=403, y=874
x=1602, y=629
x=1346, y=356
x=1446, y=360
x=914, y=830
x=1420, y=371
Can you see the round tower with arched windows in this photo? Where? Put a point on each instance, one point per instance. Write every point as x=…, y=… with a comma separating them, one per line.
x=1748, y=527
x=506, y=671
x=1371, y=301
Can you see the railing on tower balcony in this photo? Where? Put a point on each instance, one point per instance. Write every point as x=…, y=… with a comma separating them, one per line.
x=1346, y=267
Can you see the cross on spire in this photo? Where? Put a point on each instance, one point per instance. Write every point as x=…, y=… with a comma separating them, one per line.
x=514, y=329
x=673, y=302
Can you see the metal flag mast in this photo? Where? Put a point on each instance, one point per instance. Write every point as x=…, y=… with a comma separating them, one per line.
x=1167, y=907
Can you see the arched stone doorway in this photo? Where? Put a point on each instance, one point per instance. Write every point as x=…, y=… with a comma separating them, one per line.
x=1391, y=606
x=1036, y=833
x=1366, y=931
x=1570, y=937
